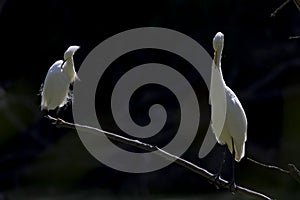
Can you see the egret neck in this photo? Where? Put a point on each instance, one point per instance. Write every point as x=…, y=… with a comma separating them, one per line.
x=68, y=68
x=217, y=67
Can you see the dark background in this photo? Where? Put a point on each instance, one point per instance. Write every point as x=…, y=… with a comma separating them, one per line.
x=260, y=63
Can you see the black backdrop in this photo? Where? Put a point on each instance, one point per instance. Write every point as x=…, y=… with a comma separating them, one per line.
x=260, y=63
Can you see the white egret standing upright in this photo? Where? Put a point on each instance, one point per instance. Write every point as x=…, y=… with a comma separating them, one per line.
x=55, y=91
x=234, y=132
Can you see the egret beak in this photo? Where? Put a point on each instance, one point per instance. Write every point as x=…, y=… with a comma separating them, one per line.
x=62, y=64
x=216, y=58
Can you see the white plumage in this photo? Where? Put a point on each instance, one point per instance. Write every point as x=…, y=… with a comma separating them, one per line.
x=69, y=63
x=55, y=90
x=234, y=132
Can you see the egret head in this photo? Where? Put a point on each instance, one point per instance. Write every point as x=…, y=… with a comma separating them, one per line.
x=70, y=52
x=218, y=44
x=218, y=41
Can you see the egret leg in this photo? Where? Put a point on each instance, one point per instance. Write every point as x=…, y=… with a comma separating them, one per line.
x=222, y=162
x=232, y=183
x=57, y=112
x=57, y=116
x=217, y=176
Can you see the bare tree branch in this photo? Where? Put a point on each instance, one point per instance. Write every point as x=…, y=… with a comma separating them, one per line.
x=269, y=166
x=280, y=7
x=296, y=2
x=292, y=170
x=294, y=37
x=184, y=163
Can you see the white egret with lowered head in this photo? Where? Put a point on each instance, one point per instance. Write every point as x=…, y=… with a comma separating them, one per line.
x=55, y=89
x=234, y=132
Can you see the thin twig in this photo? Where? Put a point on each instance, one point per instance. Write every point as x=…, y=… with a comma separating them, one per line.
x=294, y=37
x=184, y=163
x=269, y=166
x=292, y=171
x=297, y=3
x=279, y=8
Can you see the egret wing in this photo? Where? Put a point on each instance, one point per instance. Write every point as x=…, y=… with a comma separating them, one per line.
x=236, y=123
x=55, y=88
